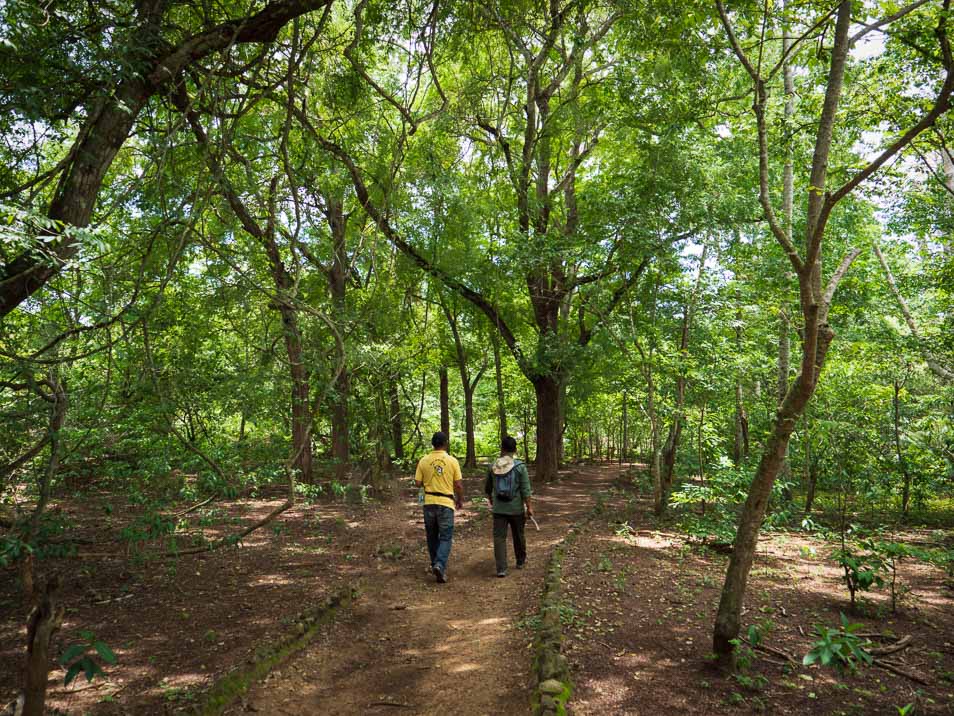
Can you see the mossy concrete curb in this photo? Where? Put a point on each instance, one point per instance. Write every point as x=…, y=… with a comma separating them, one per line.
x=550, y=668
x=228, y=688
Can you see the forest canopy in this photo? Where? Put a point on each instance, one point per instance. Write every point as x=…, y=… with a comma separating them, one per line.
x=280, y=243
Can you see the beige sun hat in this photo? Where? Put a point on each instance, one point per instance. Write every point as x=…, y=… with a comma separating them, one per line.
x=503, y=465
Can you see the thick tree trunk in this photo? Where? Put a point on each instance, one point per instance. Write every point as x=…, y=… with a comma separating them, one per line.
x=445, y=402
x=549, y=429
x=44, y=621
x=728, y=617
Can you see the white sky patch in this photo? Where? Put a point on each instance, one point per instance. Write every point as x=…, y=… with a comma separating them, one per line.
x=869, y=46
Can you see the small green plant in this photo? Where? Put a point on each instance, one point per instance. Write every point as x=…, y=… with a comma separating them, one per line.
x=604, y=565
x=85, y=657
x=841, y=646
x=625, y=530
x=862, y=570
x=906, y=710
x=892, y=554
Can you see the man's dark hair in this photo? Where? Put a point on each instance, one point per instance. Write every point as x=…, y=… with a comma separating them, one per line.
x=439, y=440
x=509, y=444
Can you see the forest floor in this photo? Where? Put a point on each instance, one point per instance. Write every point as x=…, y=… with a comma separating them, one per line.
x=640, y=602
x=178, y=623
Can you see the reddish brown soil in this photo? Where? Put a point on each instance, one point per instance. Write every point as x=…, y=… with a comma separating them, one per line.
x=644, y=605
x=638, y=634
x=414, y=646
x=176, y=624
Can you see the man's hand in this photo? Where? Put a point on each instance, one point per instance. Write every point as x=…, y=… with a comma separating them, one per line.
x=459, y=504
x=529, y=511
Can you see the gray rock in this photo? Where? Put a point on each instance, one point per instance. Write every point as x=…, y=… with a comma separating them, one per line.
x=552, y=687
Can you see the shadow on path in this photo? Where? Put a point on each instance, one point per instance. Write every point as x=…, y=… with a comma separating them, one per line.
x=412, y=646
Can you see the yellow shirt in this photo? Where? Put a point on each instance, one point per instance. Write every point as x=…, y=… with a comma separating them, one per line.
x=438, y=470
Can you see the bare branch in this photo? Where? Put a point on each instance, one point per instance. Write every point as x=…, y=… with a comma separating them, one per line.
x=887, y=20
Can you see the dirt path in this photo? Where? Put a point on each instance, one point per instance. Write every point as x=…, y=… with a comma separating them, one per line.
x=411, y=646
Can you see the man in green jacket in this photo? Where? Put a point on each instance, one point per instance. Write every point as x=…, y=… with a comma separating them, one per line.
x=508, y=490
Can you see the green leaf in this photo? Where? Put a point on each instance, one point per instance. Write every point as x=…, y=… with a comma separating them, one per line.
x=71, y=653
x=105, y=653
x=91, y=668
x=73, y=671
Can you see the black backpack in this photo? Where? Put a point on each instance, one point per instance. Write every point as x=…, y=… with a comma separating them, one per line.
x=505, y=486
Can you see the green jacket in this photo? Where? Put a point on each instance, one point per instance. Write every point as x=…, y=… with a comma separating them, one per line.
x=515, y=506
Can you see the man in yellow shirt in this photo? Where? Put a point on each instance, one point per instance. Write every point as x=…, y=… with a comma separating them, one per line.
x=439, y=473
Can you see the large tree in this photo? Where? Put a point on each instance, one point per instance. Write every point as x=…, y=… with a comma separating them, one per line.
x=764, y=66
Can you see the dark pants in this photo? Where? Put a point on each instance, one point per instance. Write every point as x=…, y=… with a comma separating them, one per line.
x=439, y=527
x=516, y=524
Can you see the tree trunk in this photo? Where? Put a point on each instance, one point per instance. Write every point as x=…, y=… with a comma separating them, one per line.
x=728, y=618
x=902, y=463
x=675, y=429
x=470, y=458
x=397, y=427
x=445, y=403
x=44, y=621
x=785, y=470
x=57, y=419
x=501, y=401
x=337, y=283
x=549, y=429
x=624, y=427
x=740, y=446
x=811, y=471
x=301, y=412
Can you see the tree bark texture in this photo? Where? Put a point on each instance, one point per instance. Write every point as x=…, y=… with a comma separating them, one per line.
x=547, y=390
x=44, y=621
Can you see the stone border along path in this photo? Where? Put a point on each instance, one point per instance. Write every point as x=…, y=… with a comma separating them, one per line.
x=407, y=645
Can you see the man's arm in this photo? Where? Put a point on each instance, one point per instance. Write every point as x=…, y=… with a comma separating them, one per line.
x=459, y=494
x=419, y=476
x=526, y=490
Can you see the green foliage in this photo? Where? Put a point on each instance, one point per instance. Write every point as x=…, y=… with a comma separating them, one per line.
x=86, y=657
x=840, y=647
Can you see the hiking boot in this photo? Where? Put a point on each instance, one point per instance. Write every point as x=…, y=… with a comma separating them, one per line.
x=521, y=565
x=502, y=573
x=439, y=573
